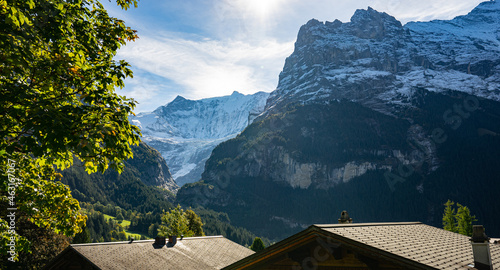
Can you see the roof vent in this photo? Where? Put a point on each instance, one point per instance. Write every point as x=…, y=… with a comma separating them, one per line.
x=481, y=248
x=172, y=240
x=344, y=218
x=159, y=241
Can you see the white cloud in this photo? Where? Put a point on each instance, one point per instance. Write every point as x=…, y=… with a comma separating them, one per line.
x=425, y=10
x=148, y=90
x=207, y=68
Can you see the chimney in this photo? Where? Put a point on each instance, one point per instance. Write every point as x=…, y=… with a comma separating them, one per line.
x=344, y=218
x=159, y=241
x=481, y=248
x=172, y=240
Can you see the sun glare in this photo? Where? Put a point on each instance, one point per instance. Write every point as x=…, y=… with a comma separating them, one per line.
x=261, y=8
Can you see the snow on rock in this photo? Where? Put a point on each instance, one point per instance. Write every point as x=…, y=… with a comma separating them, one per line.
x=374, y=59
x=186, y=131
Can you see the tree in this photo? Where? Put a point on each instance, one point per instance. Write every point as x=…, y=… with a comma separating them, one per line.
x=58, y=103
x=449, y=217
x=45, y=245
x=119, y=217
x=459, y=221
x=194, y=223
x=179, y=222
x=174, y=222
x=257, y=245
x=82, y=237
x=464, y=220
x=153, y=230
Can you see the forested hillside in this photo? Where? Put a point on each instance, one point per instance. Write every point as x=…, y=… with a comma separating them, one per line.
x=307, y=164
x=134, y=196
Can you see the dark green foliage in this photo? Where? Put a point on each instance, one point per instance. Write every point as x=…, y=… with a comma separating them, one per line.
x=119, y=217
x=449, y=223
x=82, y=237
x=102, y=230
x=195, y=224
x=99, y=228
x=257, y=245
x=217, y=223
x=45, y=245
x=143, y=222
x=127, y=190
x=464, y=220
x=153, y=230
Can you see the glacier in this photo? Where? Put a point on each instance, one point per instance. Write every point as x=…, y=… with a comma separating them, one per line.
x=186, y=131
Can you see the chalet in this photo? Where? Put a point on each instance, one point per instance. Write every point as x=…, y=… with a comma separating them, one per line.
x=212, y=252
x=402, y=245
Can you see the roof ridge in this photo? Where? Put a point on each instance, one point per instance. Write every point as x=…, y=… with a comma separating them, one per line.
x=367, y=224
x=201, y=237
x=144, y=241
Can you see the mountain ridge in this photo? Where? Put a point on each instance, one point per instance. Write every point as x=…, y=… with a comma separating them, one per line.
x=185, y=131
x=374, y=51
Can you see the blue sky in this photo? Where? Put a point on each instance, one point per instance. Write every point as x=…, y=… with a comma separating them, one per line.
x=207, y=48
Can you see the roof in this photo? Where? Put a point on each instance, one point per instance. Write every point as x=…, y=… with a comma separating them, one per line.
x=212, y=252
x=416, y=242
x=412, y=245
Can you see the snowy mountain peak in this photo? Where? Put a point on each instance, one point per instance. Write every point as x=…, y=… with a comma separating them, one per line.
x=178, y=99
x=376, y=61
x=185, y=131
x=372, y=24
x=487, y=7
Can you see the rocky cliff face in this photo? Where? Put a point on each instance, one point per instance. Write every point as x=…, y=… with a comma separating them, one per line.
x=186, y=131
x=152, y=167
x=384, y=120
x=375, y=60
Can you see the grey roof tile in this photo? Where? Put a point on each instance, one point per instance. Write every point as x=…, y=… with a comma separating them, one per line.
x=415, y=241
x=189, y=253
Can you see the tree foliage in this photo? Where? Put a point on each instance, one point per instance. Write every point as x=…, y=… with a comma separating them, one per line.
x=458, y=220
x=464, y=220
x=449, y=217
x=57, y=102
x=257, y=245
x=195, y=224
x=179, y=222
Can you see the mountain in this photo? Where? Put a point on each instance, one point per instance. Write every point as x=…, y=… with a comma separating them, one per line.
x=383, y=120
x=376, y=61
x=186, y=131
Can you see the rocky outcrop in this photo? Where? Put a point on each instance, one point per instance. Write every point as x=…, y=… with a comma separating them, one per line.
x=152, y=168
x=304, y=175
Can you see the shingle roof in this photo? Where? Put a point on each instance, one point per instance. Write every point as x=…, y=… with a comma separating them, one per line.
x=213, y=252
x=414, y=241
x=409, y=245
